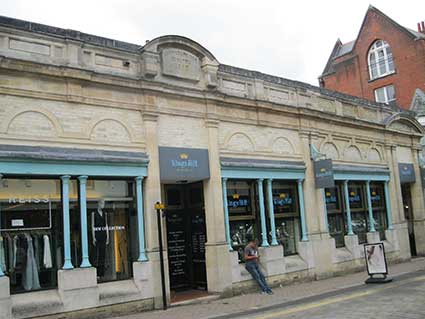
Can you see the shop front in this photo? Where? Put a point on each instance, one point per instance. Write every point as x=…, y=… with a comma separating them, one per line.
x=182, y=172
x=65, y=210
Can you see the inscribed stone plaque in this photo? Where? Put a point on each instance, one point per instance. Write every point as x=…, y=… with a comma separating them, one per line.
x=180, y=63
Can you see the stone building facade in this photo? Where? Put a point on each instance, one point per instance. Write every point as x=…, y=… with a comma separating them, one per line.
x=385, y=62
x=94, y=132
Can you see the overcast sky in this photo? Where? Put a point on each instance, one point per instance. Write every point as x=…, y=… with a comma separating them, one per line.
x=291, y=39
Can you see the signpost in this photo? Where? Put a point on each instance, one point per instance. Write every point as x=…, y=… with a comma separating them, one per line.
x=159, y=207
x=376, y=263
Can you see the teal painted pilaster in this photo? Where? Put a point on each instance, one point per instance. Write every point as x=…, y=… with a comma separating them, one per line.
x=302, y=211
x=388, y=206
x=85, y=263
x=347, y=206
x=66, y=224
x=271, y=211
x=1, y=270
x=226, y=213
x=369, y=208
x=264, y=243
x=326, y=210
x=140, y=219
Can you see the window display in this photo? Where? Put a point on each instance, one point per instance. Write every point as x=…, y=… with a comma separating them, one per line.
x=379, y=209
x=336, y=216
x=30, y=233
x=111, y=223
x=241, y=201
x=286, y=212
x=358, y=210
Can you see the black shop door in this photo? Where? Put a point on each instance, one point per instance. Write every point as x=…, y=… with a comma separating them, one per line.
x=186, y=236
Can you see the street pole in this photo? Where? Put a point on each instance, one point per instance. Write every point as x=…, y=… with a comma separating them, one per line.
x=159, y=207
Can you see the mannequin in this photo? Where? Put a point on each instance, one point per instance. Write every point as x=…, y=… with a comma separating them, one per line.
x=100, y=236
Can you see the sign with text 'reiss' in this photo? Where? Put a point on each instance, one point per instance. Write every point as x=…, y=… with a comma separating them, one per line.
x=183, y=164
x=323, y=173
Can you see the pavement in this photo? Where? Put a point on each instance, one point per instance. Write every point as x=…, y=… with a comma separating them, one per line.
x=343, y=297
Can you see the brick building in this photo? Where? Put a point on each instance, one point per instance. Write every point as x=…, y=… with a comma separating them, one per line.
x=385, y=63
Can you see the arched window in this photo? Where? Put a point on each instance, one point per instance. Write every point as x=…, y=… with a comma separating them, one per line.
x=380, y=59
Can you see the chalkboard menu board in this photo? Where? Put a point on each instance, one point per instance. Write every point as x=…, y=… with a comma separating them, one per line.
x=198, y=233
x=177, y=250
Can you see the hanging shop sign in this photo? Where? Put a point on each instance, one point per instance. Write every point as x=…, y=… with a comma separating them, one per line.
x=406, y=172
x=323, y=173
x=183, y=164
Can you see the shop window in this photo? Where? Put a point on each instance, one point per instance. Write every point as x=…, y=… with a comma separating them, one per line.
x=358, y=209
x=287, y=216
x=31, y=235
x=336, y=215
x=242, y=206
x=377, y=195
x=112, y=228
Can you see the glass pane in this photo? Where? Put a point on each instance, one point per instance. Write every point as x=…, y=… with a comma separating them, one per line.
x=241, y=232
x=336, y=228
x=390, y=92
x=359, y=223
x=239, y=198
x=31, y=232
x=374, y=71
x=380, y=220
x=110, y=208
x=284, y=198
x=355, y=196
x=332, y=200
x=380, y=95
x=288, y=234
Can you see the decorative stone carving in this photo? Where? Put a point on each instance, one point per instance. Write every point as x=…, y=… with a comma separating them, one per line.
x=282, y=146
x=240, y=142
x=352, y=153
x=373, y=155
x=330, y=150
x=181, y=64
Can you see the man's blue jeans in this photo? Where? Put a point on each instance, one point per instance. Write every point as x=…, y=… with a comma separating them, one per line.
x=254, y=270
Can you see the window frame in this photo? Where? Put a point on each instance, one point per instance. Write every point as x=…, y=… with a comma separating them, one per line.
x=385, y=90
x=387, y=59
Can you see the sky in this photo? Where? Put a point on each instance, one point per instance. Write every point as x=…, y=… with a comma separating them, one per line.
x=291, y=39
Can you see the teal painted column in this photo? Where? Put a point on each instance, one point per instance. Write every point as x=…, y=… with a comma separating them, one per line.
x=66, y=224
x=1, y=270
x=264, y=243
x=226, y=213
x=347, y=206
x=326, y=209
x=140, y=219
x=85, y=263
x=271, y=211
x=302, y=211
x=388, y=206
x=369, y=208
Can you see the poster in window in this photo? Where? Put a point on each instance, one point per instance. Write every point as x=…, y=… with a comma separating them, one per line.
x=375, y=259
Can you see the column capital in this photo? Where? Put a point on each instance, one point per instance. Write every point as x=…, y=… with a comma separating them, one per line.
x=138, y=178
x=259, y=180
x=212, y=123
x=224, y=179
x=346, y=182
x=367, y=182
x=83, y=178
x=65, y=177
x=150, y=116
x=269, y=180
x=300, y=180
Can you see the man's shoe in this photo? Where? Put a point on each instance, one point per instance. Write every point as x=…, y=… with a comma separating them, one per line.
x=264, y=292
x=270, y=292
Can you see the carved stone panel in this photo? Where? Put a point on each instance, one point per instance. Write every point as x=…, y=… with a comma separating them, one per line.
x=180, y=63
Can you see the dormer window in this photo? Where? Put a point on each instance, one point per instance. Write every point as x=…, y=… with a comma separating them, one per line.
x=380, y=60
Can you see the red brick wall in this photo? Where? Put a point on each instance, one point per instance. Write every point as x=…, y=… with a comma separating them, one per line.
x=351, y=71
